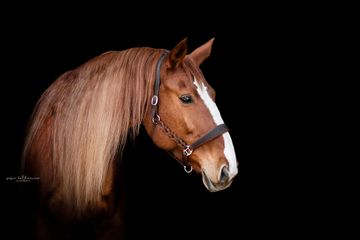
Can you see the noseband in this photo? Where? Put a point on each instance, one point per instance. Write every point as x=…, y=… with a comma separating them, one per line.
x=187, y=149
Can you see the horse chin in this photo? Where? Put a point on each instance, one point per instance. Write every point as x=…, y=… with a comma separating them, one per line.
x=212, y=187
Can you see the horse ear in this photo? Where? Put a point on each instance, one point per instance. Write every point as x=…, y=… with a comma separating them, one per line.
x=178, y=53
x=200, y=54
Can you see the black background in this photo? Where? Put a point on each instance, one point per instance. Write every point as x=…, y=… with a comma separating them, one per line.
x=263, y=69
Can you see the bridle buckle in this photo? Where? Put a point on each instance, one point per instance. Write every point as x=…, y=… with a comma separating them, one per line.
x=187, y=151
x=156, y=119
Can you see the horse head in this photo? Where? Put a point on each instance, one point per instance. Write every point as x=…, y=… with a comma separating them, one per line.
x=184, y=119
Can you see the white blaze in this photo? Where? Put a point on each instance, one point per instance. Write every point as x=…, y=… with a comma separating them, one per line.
x=229, y=151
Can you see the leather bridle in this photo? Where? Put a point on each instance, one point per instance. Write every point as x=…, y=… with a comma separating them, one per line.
x=187, y=149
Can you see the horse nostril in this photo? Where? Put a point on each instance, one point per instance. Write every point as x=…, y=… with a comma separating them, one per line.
x=224, y=176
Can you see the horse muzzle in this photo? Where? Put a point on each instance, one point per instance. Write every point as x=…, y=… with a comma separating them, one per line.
x=224, y=180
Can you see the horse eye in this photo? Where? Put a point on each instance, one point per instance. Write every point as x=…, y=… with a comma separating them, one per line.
x=186, y=99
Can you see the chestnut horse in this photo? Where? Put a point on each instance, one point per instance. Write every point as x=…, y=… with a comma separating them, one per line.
x=82, y=121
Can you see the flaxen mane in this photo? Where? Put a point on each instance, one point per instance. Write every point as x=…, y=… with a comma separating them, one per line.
x=89, y=113
x=82, y=121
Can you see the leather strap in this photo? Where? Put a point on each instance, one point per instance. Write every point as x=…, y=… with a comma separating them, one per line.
x=217, y=131
x=155, y=97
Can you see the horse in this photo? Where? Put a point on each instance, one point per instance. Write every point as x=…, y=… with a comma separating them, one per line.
x=81, y=123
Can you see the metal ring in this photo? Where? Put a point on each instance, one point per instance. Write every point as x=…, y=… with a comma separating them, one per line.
x=188, y=171
x=156, y=119
x=187, y=151
x=154, y=100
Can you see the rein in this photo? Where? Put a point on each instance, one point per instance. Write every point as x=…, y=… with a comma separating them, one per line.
x=187, y=149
